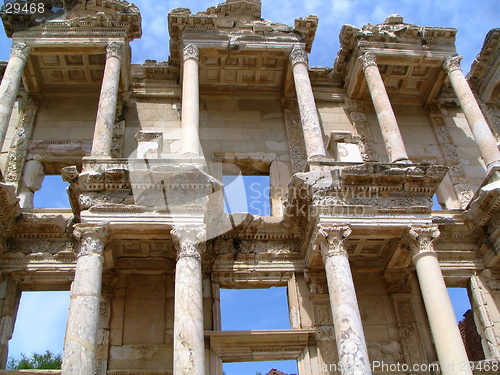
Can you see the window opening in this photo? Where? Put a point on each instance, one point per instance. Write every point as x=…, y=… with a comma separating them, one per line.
x=466, y=324
x=262, y=368
x=52, y=194
x=247, y=194
x=254, y=309
x=40, y=323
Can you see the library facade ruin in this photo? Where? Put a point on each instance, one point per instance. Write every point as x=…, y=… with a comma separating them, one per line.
x=355, y=154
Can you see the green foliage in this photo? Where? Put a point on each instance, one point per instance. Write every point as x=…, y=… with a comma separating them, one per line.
x=45, y=361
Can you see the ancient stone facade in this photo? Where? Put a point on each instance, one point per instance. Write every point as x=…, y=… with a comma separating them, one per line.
x=355, y=154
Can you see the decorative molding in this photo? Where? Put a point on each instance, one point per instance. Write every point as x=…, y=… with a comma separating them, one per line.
x=316, y=280
x=298, y=55
x=452, y=63
x=189, y=241
x=20, y=50
x=368, y=59
x=114, y=49
x=190, y=52
x=360, y=122
x=330, y=240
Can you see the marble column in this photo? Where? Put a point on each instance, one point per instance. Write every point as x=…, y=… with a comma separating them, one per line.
x=10, y=85
x=105, y=120
x=189, y=351
x=444, y=328
x=190, y=122
x=349, y=335
x=80, y=344
x=388, y=124
x=313, y=135
x=482, y=132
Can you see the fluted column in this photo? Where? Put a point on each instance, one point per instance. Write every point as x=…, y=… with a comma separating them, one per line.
x=80, y=344
x=350, y=338
x=105, y=120
x=189, y=352
x=388, y=124
x=482, y=132
x=190, y=125
x=313, y=135
x=447, y=339
x=10, y=85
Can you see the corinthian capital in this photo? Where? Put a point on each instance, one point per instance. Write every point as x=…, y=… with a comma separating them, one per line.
x=189, y=240
x=93, y=238
x=330, y=240
x=20, y=50
x=452, y=63
x=298, y=55
x=368, y=59
x=421, y=239
x=190, y=52
x=114, y=49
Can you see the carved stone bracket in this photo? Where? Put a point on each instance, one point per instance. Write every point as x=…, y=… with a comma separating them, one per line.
x=114, y=49
x=452, y=63
x=20, y=50
x=330, y=240
x=189, y=240
x=298, y=55
x=398, y=280
x=316, y=281
x=93, y=238
x=190, y=52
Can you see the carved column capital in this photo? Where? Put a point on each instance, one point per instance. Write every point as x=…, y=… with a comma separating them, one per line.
x=368, y=59
x=421, y=239
x=93, y=238
x=190, y=52
x=20, y=50
x=298, y=55
x=189, y=240
x=452, y=63
x=330, y=240
x=114, y=49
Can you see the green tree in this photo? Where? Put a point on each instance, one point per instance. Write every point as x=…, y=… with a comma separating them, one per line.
x=45, y=361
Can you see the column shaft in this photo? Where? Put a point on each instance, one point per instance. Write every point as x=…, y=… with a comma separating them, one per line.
x=190, y=124
x=80, y=344
x=480, y=128
x=349, y=335
x=313, y=135
x=10, y=85
x=105, y=120
x=394, y=144
x=448, y=341
x=189, y=346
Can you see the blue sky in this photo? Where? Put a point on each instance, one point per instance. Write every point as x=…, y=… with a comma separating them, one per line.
x=472, y=19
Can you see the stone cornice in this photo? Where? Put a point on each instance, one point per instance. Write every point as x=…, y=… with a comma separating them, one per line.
x=110, y=16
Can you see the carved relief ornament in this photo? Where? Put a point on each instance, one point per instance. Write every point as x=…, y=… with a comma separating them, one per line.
x=330, y=240
x=189, y=241
x=452, y=63
x=298, y=55
x=114, y=49
x=93, y=238
x=368, y=59
x=190, y=52
x=20, y=50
